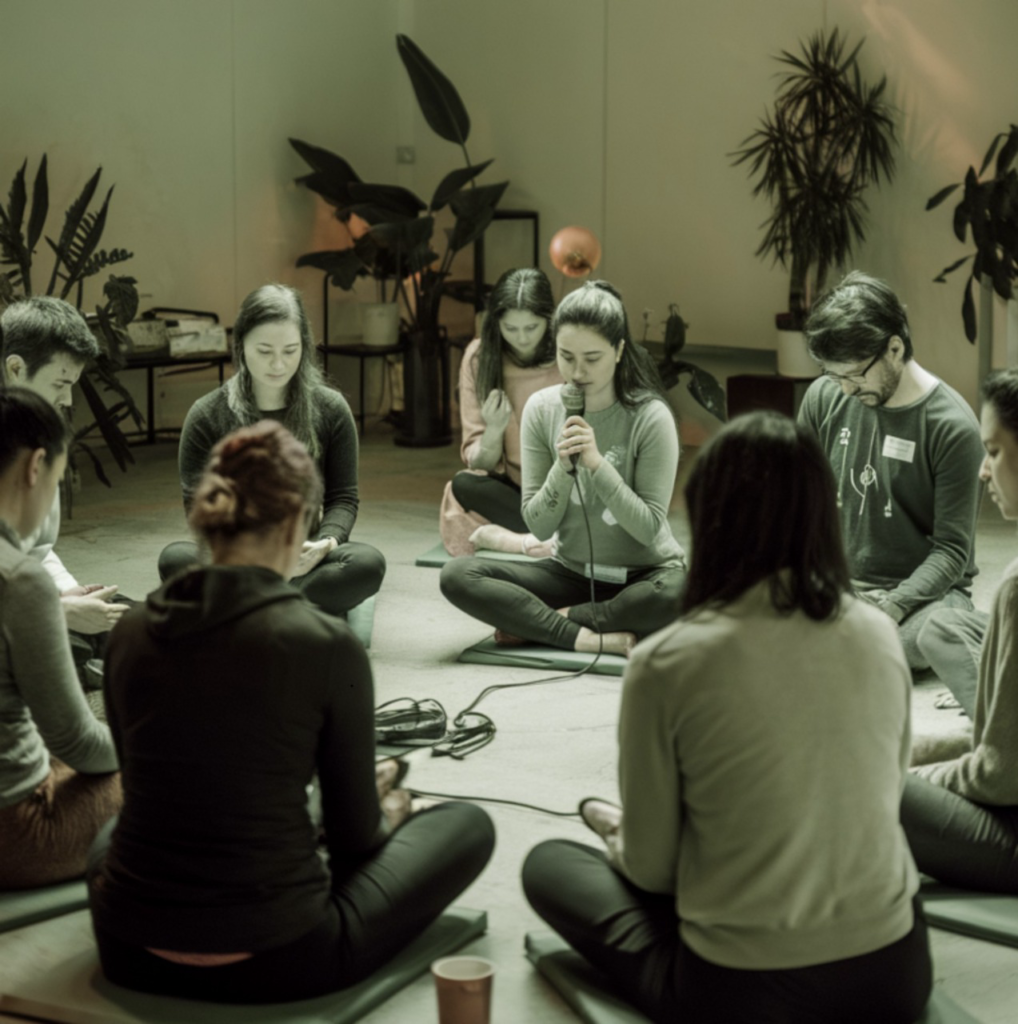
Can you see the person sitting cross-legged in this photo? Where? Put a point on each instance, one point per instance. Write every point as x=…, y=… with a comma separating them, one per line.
x=756, y=870
x=227, y=692
x=277, y=377
x=961, y=814
x=58, y=780
x=905, y=451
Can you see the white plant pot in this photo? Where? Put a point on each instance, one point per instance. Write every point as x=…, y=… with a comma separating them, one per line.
x=794, y=359
x=380, y=323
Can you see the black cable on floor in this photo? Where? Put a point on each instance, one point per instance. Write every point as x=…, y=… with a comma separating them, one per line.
x=493, y=800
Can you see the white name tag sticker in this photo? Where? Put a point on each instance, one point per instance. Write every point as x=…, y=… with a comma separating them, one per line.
x=899, y=448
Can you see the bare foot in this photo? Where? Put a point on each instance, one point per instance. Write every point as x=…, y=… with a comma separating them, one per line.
x=491, y=537
x=600, y=816
x=588, y=642
x=387, y=774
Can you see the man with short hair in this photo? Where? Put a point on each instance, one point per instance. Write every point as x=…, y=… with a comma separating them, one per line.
x=46, y=344
x=905, y=450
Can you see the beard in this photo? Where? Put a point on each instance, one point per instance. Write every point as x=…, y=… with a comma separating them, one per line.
x=883, y=388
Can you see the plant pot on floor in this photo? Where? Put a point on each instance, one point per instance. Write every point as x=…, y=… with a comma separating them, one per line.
x=794, y=359
x=425, y=399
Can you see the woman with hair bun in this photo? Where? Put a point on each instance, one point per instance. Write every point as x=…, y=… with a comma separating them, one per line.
x=612, y=467
x=513, y=357
x=276, y=376
x=57, y=762
x=227, y=692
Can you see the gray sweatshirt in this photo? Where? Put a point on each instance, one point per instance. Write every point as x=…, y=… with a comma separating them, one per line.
x=626, y=498
x=988, y=773
x=908, y=489
x=42, y=707
x=761, y=763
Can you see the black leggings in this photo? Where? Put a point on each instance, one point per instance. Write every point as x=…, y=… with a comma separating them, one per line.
x=522, y=598
x=375, y=910
x=632, y=939
x=343, y=579
x=960, y=842
x=492, y=495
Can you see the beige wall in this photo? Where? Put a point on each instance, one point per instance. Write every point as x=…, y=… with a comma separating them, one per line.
x=615, y=114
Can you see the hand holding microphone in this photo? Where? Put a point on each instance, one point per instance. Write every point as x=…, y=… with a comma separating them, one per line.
x=577, y=438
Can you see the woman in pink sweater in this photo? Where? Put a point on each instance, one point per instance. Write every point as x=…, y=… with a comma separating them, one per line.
x=513, y=358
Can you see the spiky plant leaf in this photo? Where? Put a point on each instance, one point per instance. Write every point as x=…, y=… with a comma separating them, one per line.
x=437, y=97
x=40, y=206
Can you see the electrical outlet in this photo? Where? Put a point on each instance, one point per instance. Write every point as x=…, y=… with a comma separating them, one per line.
x=406, y=155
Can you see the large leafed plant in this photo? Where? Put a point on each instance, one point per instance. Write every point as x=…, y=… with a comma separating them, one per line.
x=828, y=137
x=397, y=243
x=76, y=257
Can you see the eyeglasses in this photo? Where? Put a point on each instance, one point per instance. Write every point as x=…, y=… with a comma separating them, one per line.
x=860, y=377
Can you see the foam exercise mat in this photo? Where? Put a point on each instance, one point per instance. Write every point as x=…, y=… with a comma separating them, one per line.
x=981, y=915
x=577, y=982
x=361, y=619
x=75, y=992
x=18, y=909
x=436, y=557
x=487, y=652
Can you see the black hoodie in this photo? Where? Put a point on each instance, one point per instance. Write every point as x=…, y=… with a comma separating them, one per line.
x=226, y=691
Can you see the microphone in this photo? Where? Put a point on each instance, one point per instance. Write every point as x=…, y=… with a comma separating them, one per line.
x=574, y=400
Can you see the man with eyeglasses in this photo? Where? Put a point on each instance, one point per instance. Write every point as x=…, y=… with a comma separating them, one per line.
x=905, y=450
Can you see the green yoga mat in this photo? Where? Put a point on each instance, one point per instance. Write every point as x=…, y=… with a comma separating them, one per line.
x=487, y=652
x=577, y=982
x=18, y=909
x=981, y=915
x=75, y=992
x=361, y=619
x=436, y=557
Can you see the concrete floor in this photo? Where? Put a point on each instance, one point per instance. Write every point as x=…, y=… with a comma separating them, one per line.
x=555, y=744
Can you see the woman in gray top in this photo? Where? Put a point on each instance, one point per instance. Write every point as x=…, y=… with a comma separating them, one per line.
x=600, y=473
x=757, y=870
x=50, y=809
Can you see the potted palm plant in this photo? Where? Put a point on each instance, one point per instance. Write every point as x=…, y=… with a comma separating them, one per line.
x=828, y=137
x=989, y=208
x=401, y=227
x=76, y=257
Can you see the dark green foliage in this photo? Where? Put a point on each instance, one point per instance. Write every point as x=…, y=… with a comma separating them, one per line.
x=703, y=386
x=829, y=136
x=398, y=245
x=76, y=256
x=989, y=209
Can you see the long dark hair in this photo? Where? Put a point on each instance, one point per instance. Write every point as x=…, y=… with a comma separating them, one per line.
x=277, y=303
x=525, y=288
x=598, y=306
x=762, y=505
x=1000, y=390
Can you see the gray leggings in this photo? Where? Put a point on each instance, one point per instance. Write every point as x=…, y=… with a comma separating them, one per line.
x=522, y=597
